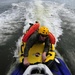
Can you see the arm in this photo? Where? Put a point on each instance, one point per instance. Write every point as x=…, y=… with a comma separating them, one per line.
x=47, y=45
x=29, y=44
x=31, y=41
x=46, y=49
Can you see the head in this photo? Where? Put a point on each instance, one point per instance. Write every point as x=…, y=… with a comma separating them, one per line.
x=43, y=31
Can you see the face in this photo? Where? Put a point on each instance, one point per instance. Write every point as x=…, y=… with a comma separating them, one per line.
x=43, y=37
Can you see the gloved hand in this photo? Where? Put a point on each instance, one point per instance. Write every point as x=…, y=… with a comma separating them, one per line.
x=25, y=62
x=43, y=56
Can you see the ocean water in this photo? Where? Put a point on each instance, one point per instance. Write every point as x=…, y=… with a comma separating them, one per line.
x=57, y=15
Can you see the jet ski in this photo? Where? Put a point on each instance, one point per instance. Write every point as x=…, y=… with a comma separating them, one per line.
x=38, y=69
x=55, y=66
x=58, y=66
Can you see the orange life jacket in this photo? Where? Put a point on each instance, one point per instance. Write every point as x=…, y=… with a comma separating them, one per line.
x=52, y=38
x=30, y=31
x=33, y=29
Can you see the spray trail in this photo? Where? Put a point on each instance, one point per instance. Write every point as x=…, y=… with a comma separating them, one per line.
x=46, y=14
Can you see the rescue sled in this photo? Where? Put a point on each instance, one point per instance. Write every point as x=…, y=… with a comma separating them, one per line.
x=35, y=53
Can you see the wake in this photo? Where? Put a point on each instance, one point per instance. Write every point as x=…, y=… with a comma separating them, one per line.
x=46, y=13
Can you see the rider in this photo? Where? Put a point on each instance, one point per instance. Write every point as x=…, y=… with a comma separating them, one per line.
x=39, y=36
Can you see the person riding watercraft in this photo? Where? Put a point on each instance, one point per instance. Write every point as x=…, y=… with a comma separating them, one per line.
x=39, y=36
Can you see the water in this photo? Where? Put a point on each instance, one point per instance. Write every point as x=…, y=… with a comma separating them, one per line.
x=58, y=17
x=68, y=50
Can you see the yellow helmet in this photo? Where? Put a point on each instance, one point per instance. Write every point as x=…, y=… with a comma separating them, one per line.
x=43, y=30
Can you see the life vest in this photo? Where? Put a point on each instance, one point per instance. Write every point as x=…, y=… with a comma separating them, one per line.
x=30, y=32
x=33, y=29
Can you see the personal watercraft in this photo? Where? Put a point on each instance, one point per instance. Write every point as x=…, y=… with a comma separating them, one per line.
x=58, y=66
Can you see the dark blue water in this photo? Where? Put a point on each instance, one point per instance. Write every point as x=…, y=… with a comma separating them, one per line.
x=66, y=48
x=7, y=52
x=7, y=49
x=6, y=4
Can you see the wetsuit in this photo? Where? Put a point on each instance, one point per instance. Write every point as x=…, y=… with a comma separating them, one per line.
x=35, y=38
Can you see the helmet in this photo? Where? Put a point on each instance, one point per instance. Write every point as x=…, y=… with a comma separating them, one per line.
x=43, y=30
